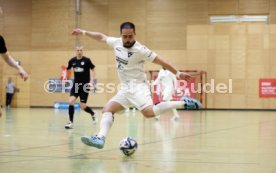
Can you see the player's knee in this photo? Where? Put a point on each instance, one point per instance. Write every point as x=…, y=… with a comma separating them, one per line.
x=83, y=106
x=105, y=109
x=148, y=113
x=71, y=102
x=112, y=107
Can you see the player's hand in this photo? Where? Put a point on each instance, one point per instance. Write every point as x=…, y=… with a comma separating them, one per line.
x=77, y=31
x=91, y=85
x=24, y=75
x=185, y=76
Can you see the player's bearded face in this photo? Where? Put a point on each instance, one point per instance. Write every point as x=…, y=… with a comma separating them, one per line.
x=128, y=37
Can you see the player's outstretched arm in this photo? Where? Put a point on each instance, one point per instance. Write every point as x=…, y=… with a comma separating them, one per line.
x=95, y=35
x=180, y=75
x=10, y=61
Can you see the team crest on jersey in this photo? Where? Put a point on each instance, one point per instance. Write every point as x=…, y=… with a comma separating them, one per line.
x=82, y=63
x=129, y=54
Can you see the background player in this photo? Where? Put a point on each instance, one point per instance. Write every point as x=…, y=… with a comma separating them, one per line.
x=130, y=58
x=168, y=84
x=10, y=90
x=81, y=66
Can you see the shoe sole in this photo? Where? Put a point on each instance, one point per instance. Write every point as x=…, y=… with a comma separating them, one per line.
x=86, y=141
x=68, y=127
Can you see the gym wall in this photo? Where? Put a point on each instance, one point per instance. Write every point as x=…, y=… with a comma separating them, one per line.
x=38, y=33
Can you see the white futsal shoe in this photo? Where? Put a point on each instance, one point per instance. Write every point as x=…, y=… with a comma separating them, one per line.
x=191, y=103
x=69, y=125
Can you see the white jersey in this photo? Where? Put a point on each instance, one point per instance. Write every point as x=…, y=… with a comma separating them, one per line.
x=130, y=61
x=166, y=79
x=10, y=87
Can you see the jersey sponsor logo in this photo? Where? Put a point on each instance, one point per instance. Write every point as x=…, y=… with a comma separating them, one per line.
x=121, y=63
x=129, y=54
x=78, y=69
x=120, y=60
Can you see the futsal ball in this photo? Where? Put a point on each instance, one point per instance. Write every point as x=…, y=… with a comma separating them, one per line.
x=128, y=146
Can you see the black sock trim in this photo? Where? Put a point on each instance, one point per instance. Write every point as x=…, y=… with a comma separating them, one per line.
x=71, y=113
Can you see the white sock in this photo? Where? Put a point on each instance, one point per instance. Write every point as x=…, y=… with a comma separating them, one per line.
x=106, y=123
x=175, y=114
x=166, y=106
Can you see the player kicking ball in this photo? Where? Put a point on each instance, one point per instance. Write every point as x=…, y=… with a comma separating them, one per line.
x=130, y=58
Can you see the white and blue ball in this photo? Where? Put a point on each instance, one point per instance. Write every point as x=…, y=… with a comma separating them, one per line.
x=128, y=146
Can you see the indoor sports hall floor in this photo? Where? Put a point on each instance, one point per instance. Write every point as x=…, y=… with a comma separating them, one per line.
x=35, y=141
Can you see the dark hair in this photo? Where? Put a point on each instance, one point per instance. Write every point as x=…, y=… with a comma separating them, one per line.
x=127, y=25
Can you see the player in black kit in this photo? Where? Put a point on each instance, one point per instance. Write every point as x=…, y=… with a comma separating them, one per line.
x=81, y=66
x=11, y=62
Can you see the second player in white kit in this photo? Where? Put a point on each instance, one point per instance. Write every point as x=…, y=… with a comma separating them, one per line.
x=167, y=84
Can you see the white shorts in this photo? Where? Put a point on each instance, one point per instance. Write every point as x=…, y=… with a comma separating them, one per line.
x=138, y=95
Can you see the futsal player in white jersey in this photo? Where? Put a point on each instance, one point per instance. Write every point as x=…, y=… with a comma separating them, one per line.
x=168, y=84
x=130, y=56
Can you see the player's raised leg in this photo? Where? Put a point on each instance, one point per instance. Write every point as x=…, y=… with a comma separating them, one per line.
x=185, y=103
